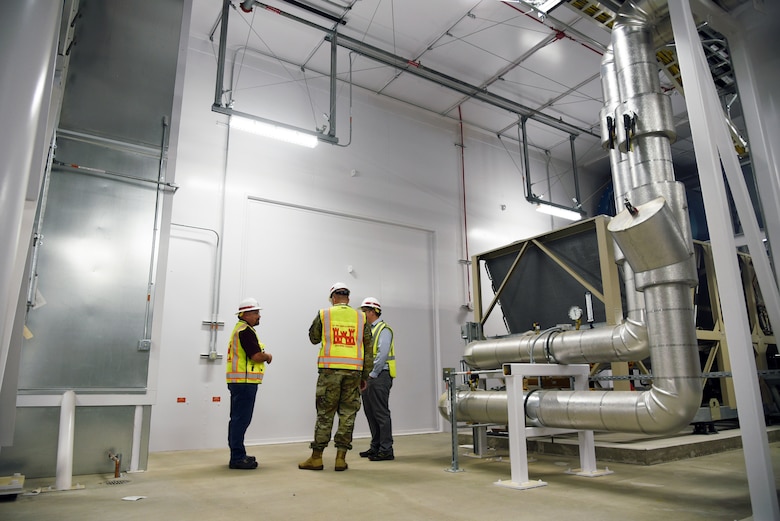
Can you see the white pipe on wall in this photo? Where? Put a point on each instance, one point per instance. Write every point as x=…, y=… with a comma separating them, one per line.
x=64, y=479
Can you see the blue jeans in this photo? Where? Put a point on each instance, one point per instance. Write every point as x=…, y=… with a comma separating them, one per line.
x=242, y=405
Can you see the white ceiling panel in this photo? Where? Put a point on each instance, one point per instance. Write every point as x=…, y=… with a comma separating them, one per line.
x=578, y=110
x=495, y=60
x=422, y=93
x=486, y=117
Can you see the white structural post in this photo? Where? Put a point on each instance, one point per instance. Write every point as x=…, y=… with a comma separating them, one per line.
x=138, y=421
x=519, y=433
x=586, y=440
x=64, y=479
x=518, y=449
x=708, y=127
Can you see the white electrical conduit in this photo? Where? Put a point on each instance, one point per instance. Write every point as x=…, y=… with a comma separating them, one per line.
x=213, y=321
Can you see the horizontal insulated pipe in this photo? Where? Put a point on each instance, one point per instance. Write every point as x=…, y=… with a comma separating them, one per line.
x=625, y=342
x=64, y=478
x=478, y=406
x=667, y=407
x=660, y=410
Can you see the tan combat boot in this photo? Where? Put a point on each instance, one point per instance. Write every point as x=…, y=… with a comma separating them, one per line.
x=341, y=460
x=314, y=462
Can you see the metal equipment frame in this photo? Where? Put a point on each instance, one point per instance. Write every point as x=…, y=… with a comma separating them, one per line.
x=610, y=278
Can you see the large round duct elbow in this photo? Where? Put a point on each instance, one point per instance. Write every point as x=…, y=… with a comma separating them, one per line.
x=657, y=411
x=649, y=236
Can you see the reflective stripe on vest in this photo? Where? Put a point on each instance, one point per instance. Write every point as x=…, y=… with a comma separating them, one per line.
x=342, y=338
x=376, y=330
x=239, y=369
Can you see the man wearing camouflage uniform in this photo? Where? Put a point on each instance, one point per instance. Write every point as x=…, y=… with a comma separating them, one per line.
x=345, y=360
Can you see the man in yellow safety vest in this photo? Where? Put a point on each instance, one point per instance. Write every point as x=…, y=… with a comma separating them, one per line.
x=344, y=363
x=376, y=397
x=246, y=359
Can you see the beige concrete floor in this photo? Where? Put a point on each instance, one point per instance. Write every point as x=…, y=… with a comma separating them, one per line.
x=199, y=485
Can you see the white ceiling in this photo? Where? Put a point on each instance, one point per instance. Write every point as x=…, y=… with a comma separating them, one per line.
x=548, y=64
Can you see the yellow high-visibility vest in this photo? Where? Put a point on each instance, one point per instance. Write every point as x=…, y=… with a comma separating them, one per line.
x=342, y=338
x=240, y=369
x=375, y=330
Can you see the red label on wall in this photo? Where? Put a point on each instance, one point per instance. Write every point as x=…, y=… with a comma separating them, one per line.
x=216, y=398
x=181, y=399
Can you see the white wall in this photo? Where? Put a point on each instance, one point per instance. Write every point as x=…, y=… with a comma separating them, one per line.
x=294, y=219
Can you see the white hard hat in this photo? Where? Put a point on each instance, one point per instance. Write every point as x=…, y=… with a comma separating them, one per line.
x=371, y=302
x=248, y=304
x=338, y=286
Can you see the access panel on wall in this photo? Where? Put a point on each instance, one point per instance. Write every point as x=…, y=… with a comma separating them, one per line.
x=292, y=255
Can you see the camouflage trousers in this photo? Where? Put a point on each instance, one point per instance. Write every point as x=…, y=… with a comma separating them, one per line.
x=338, y=391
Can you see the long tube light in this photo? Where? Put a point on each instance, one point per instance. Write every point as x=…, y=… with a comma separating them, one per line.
x=558, y=212
x=543, y=6
x=273, y=131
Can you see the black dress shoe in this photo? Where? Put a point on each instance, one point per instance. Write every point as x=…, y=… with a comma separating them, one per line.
x=368, y=453
x=245, y=464
x=382, y=456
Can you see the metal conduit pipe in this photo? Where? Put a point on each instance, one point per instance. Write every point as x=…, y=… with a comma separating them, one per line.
x=625, y=342
x=655, y=215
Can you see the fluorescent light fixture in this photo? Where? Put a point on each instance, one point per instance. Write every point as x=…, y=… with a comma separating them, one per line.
x=559, y=212
x=540, y=5
x=547, y=6
x=273, y=131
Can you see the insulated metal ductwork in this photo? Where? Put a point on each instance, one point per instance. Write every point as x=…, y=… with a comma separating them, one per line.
x=654, y=235
x=618, y=161
x=624, y=342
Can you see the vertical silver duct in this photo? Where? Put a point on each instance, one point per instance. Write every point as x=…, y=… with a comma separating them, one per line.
x=644, y=130
x=620, y=175
x=654, y=234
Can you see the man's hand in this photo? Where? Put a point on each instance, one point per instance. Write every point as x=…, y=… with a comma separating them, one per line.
x=363, y=385
x=268, y=357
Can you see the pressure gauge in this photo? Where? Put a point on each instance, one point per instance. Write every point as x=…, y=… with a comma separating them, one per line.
x=575, y=312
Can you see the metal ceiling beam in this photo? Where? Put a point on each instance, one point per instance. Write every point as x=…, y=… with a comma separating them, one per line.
x=419, y=70
x=512, y=65
x=429, y=47
x=221, y=107
x=416, y=69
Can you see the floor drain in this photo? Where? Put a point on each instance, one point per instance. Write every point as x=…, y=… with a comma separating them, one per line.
x=117, y=481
